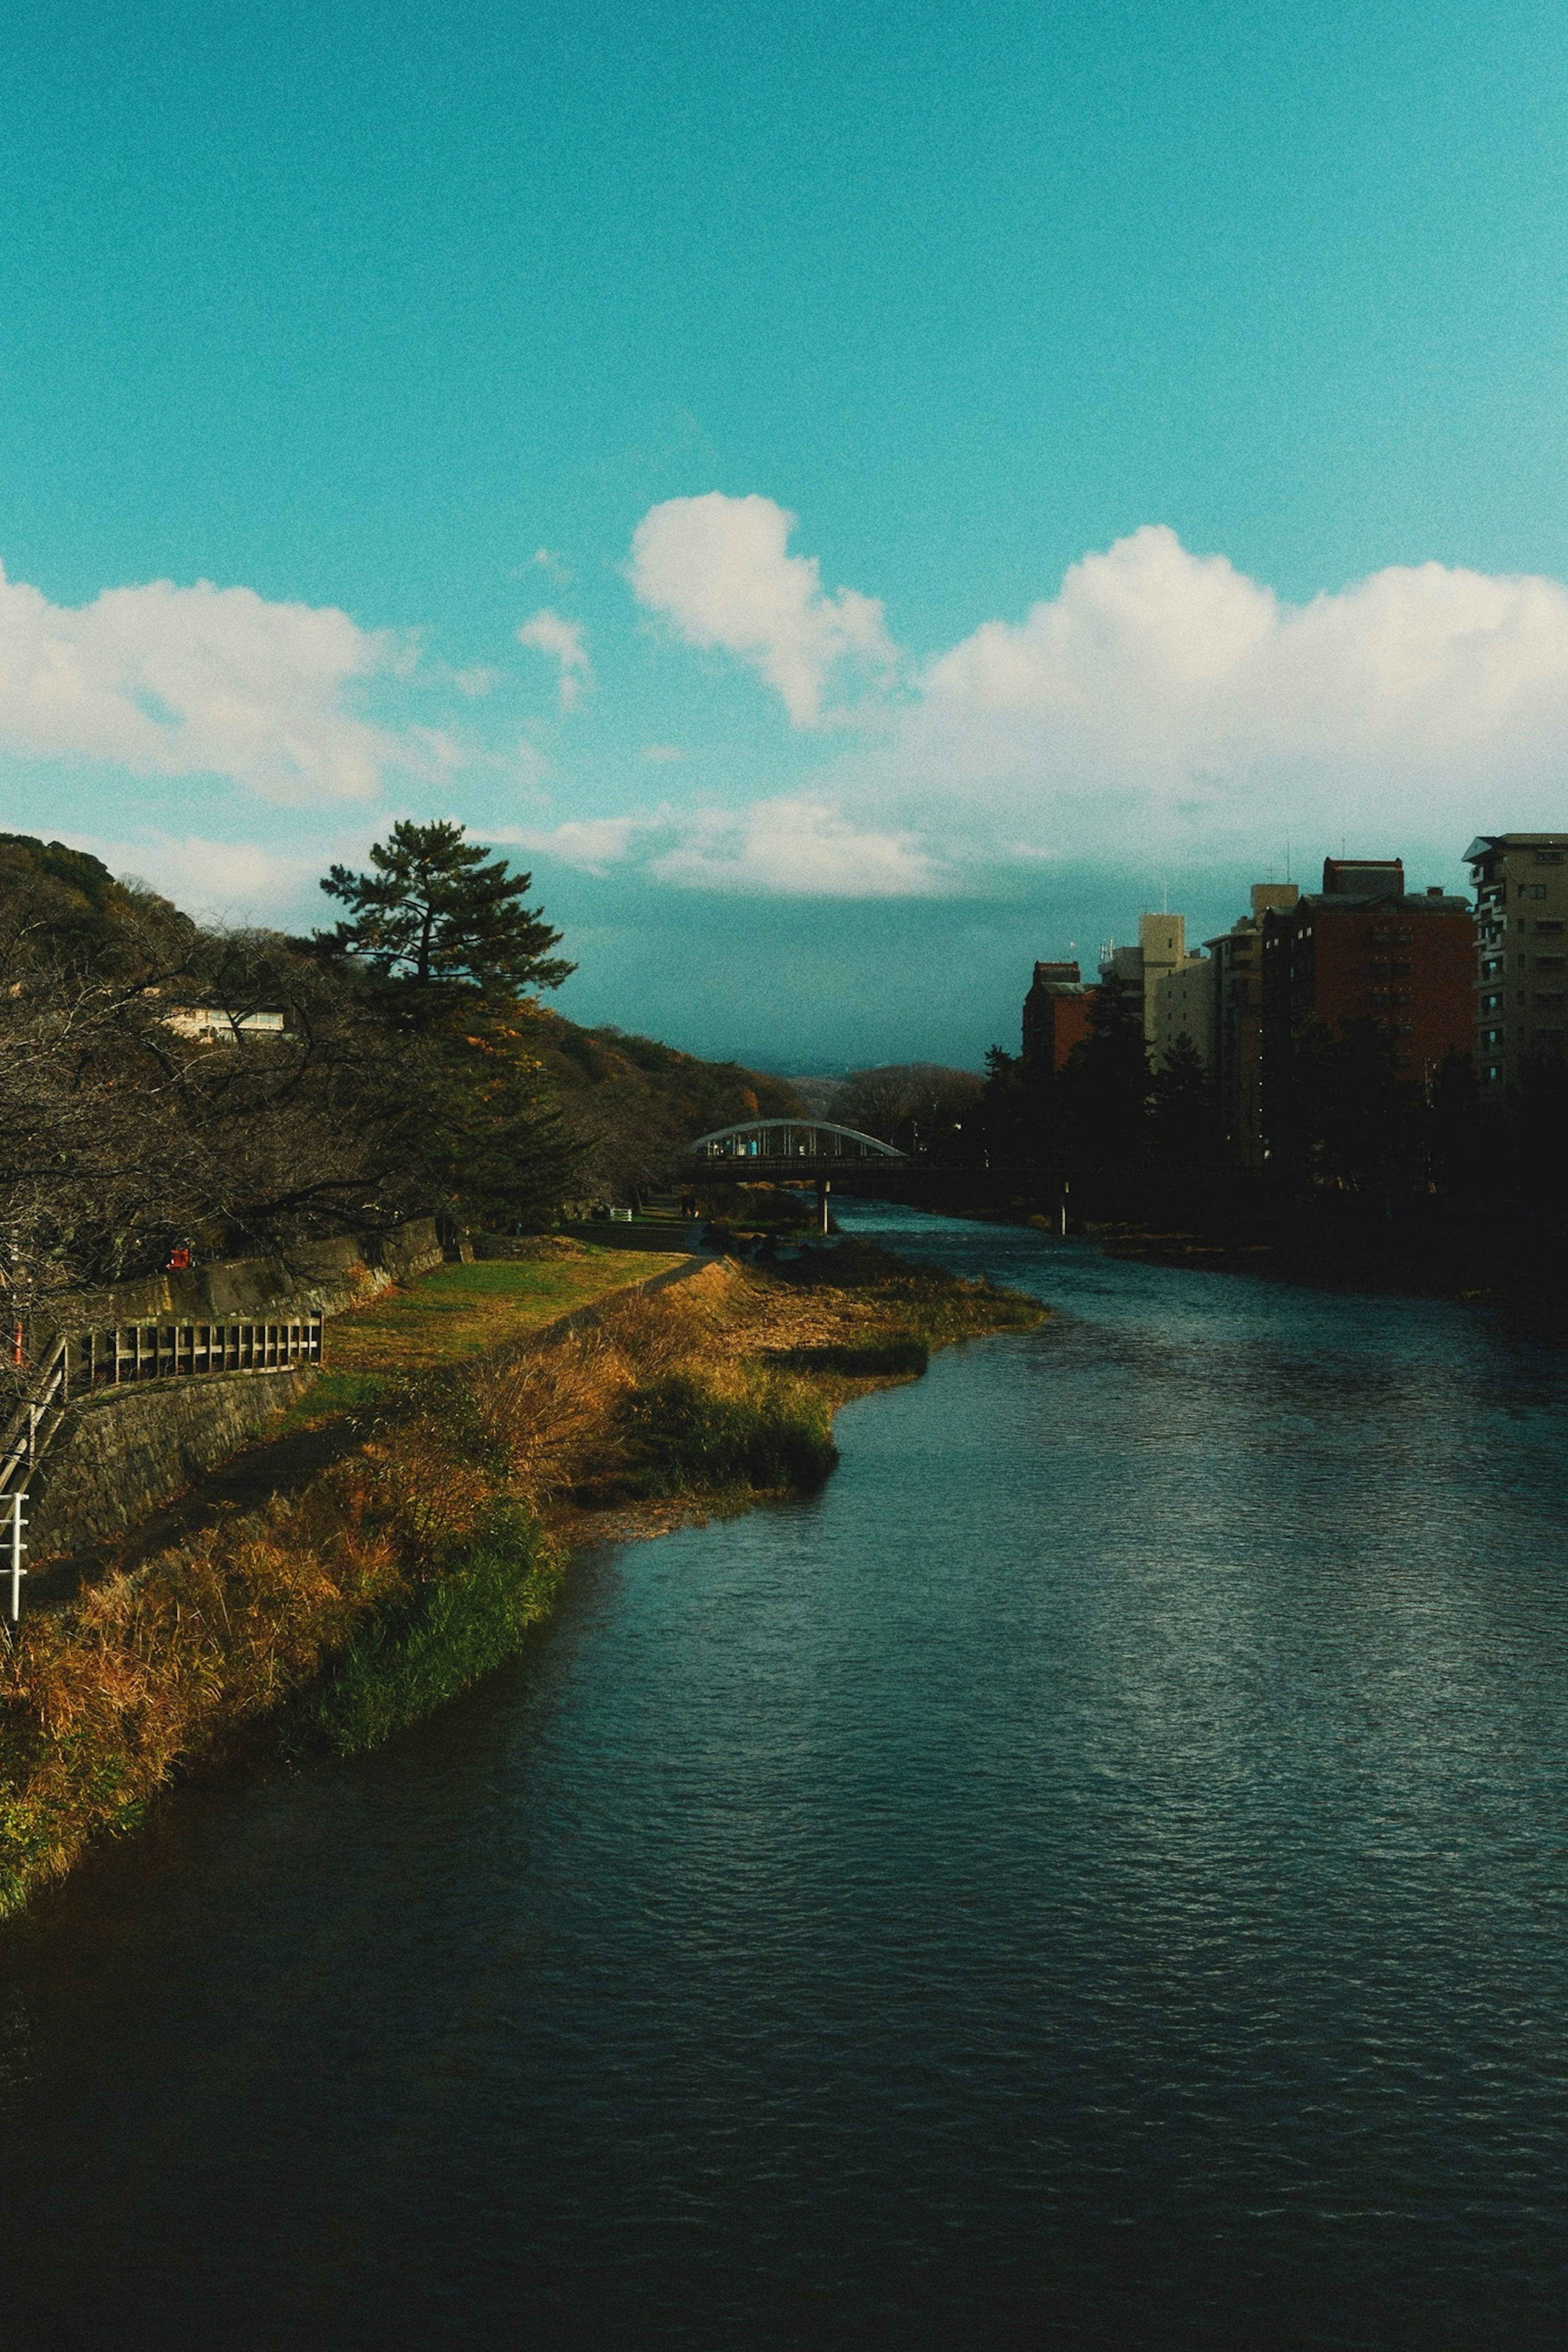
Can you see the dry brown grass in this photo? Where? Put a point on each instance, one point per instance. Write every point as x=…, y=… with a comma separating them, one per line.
x=104, y=1702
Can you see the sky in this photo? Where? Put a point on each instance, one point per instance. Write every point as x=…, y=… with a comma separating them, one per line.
x=852, y=496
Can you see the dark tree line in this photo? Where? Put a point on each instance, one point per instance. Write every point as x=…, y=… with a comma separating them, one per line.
x=1345, y=1126
x=1107, y=1105
x=922, y=1107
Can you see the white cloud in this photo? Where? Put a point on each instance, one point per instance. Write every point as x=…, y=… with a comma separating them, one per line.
x=787, y=848
x=796, y=848
x=560, y=642
x=186, y=681
x=1162, y=706
x=590, y=844
x=229, y=880
x=660, y=755
x=720, y=571
x=1166, y=706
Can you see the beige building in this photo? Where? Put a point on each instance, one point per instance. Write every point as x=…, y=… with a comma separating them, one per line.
x=1522, y=944
x=1176, y=986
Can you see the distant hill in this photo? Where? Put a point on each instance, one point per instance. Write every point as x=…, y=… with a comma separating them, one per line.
x=634, y=1103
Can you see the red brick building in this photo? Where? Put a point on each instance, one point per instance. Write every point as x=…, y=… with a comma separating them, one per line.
x=1365, y=950
x=1056, y=1019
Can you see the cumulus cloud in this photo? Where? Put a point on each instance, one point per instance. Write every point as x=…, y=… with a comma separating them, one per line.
x=590, y=844
x=233, y=880
x=184, y=681
x=560, y=642
x=720, y=571
x=788, y=847
x=1161, y=706
x=1164, y=701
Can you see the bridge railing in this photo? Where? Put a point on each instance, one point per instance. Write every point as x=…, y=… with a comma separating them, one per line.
x=773, y=1140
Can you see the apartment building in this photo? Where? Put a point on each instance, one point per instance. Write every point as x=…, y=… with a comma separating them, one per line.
x=1236, y=1055
x=1521, y=942
x=1056, y=1018
x=1174, y=986
x=1363, y=949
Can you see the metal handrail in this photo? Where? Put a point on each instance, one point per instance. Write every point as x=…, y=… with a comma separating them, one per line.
x=116, y=1356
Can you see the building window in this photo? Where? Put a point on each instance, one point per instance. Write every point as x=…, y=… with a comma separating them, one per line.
x=1537, y=889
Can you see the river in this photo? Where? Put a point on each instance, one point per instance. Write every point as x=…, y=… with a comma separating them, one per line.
x=1094, y=1875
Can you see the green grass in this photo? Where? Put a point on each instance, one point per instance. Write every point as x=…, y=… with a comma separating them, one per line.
x=456, y=1628
x=461, y=1310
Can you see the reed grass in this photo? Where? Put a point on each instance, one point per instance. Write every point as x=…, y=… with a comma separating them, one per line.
x=447, y=1633
x=683, y=1434
x=418, y=1563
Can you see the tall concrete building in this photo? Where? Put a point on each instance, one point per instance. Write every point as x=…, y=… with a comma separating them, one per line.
x=1172, y=985
x=1235, y=975
x=1522, y=940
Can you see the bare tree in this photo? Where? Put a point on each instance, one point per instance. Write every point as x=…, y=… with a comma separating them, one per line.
x=916, y=1106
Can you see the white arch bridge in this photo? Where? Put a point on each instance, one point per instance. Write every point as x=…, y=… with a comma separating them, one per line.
x=797, y=1150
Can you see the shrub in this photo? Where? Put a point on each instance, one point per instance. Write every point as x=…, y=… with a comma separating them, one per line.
x=873, y=1359
x=448, y=1632
x=682, y=1435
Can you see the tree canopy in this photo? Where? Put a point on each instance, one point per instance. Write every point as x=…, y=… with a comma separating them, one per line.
x=441, y=917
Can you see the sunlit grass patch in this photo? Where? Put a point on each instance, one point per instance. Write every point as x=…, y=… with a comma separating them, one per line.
x=461, y=1310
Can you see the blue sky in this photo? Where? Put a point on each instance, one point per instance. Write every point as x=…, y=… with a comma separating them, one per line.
x=1169, y=401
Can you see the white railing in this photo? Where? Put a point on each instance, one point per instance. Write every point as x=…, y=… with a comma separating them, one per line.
x=13, y=1544
x=115, y=1355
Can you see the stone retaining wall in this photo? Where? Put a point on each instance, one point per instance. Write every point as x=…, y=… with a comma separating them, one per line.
x=320, y=1276
x=122, y=1453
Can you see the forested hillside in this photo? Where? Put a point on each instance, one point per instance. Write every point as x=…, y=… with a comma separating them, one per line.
x=169, y=1085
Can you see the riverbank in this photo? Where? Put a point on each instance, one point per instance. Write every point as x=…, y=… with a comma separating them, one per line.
x=420, y=1559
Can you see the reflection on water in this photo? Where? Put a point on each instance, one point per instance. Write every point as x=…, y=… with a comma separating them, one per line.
x=1094, y=1875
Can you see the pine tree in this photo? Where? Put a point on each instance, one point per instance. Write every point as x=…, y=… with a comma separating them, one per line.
x=440, y=928
x=1103, y=1087
x=440, y=920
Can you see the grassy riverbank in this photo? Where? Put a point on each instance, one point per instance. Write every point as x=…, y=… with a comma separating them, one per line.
x=415, y=1565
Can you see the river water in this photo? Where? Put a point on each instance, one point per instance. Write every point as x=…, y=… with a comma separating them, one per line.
x=1095, y=1876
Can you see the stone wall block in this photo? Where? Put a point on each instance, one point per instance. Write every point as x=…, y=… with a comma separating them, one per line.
x=122, y=1453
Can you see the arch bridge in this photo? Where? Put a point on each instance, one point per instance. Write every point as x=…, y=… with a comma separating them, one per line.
x=795, y=1151
x=791, y=1150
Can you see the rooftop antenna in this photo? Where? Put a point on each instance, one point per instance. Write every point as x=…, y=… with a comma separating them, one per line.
x=1165, y=896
